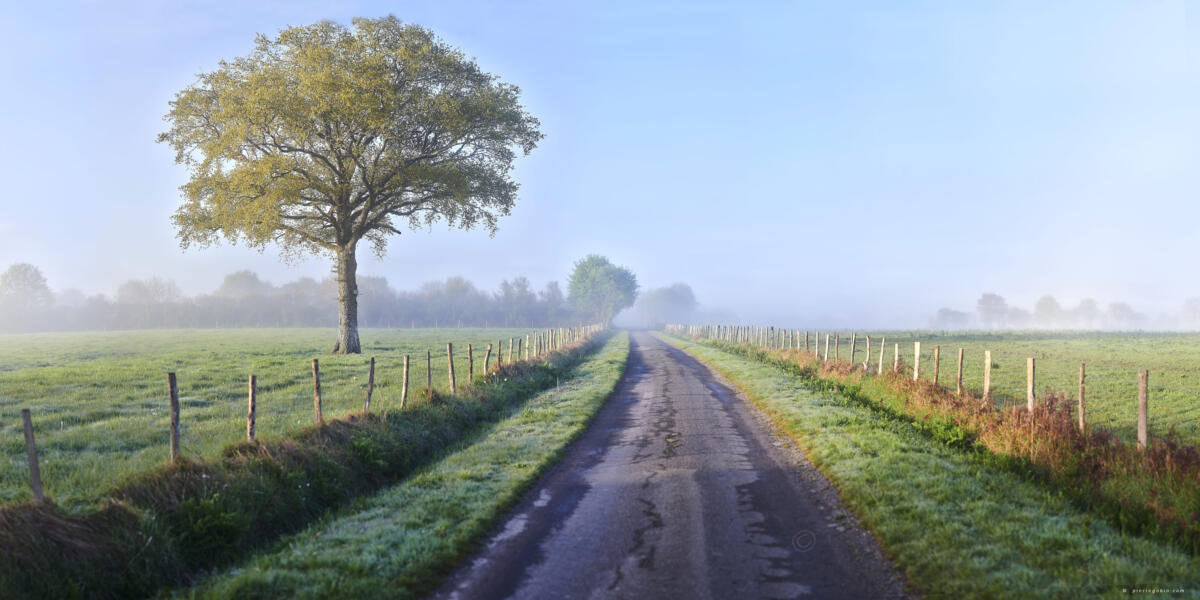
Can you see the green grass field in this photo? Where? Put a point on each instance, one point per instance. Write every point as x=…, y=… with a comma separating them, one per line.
x=99, y=400
x=1113, y=360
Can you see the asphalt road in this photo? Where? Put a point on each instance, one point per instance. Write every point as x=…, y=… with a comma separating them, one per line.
x=677, y=490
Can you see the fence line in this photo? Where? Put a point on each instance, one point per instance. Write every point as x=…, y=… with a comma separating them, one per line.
x=764, y=337
x=548, y=341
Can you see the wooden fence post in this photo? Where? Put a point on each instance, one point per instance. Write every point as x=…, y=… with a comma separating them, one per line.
x=487, y=359
x=404, y=385
x=470, y=365
x=806, y=340
x=428, y=371
x=836, y=345
x=853, y=346
x=882, y=351
x=1082, y=419
x=450, y=362
x=937, y=362
x=1143, y=407
x=370, y=387
x=896, y=359
x=826, y=348
x=916, y=361
x=987, y=375
x=320, y=418
x=511, y=343
x=35, y=473
x=958, y=386
x=252, y=413
x=173, y=391
x=867, y=361
x=499, y=352
x=1029, y=384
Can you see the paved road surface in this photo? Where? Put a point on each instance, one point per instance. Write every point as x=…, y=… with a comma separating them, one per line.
x=677, y=491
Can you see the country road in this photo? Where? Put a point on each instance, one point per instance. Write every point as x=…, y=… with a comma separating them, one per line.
x=677, y=490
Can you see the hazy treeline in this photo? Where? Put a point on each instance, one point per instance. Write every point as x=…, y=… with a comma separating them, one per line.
x=27, y=303
x=994, y=312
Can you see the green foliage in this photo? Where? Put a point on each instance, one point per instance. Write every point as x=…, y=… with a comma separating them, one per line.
x=208, y=527
x=325, y=135
x=600, y=289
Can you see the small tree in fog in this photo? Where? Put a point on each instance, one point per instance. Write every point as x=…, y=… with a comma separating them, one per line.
x=1086, y=313
x=243, y=284
x=599, y=289
x=674, y=303
x=324, y=136
x=948, y=318
x=1047, y=312
x=22, y=287
x=993, y=310
x=1122, y=316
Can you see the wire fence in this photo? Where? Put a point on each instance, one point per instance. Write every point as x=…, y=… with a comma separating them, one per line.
x=1109, y=386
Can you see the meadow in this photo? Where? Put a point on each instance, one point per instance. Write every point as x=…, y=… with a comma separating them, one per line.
x=1113, y=360
x=99, y=399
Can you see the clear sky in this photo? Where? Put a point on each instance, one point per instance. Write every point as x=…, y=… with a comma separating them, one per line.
x=849, y=163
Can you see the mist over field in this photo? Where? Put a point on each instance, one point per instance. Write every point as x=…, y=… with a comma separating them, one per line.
x=891, y=171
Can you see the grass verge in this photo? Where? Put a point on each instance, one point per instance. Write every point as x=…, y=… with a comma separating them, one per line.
x=399, y=542
x=957, y=522
x=1154, y=492
x=161, y=527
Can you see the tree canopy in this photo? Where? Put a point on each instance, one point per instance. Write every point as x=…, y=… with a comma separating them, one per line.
x=22, y=286
x=600, y=289
x=325, y=135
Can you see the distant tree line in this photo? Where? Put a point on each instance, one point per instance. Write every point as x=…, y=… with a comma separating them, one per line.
x=992, y=311
x=27, y=303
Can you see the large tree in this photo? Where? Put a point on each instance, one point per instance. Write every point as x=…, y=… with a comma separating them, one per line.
x=599, y=289
x=325, y=135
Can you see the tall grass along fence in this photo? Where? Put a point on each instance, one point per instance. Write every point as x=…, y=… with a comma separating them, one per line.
x=189, y=515
x=1151, y=486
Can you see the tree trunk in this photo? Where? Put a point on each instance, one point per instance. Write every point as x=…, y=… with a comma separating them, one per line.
x=347, y=267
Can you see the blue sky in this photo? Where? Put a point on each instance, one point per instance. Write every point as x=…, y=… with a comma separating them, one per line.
x=857, y=164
